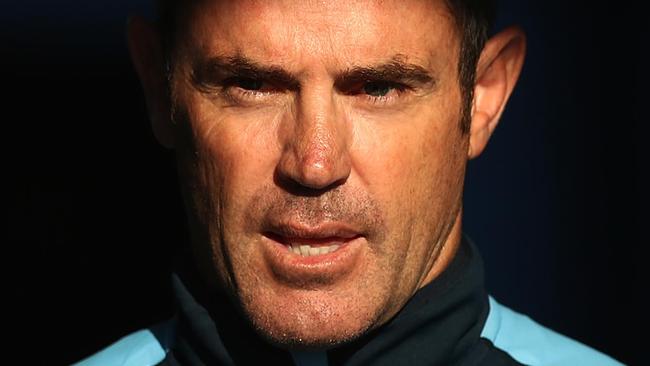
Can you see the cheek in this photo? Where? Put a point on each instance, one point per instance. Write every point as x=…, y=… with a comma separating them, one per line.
x=414, y=167
x=222, y=158
x=405, y=165
x=232, y=151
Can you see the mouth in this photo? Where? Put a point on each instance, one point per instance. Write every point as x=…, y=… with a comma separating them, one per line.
x=299, y=254
x=309, y=242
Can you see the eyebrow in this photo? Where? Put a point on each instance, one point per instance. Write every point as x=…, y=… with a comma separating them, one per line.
x=395, y=70
x=239, y=66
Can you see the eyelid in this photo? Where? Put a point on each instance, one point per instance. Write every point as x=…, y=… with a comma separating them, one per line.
x=356, y=87
x=394, y=97
x=242, y=96
x=236, y=94
x=234, y=80
x=383, y=99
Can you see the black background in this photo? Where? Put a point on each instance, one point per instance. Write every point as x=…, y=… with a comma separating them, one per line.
x=556, y=203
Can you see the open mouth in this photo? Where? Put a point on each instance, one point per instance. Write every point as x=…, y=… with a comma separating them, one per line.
x=321, y=254
x=311, y=246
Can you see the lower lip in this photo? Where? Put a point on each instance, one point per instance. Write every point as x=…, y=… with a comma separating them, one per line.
x=301, y=270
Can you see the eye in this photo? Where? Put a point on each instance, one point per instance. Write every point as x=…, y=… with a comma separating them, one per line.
x=379, y=88
x=247, y=83
x=243, y=90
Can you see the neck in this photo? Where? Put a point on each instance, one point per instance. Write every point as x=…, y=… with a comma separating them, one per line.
x=446, y=250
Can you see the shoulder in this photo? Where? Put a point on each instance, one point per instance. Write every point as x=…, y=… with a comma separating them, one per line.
x=533, y=344
x=141, y=348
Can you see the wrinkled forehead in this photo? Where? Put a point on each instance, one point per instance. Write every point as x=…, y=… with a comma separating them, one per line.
x=332, y=33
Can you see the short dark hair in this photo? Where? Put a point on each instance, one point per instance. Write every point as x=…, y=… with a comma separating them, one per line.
x=473, y=20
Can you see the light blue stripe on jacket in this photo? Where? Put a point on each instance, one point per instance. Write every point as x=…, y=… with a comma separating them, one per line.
x=533, y=344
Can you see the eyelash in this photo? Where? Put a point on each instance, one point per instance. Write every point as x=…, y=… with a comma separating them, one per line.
x=236, y=93
x=381, y=100
x=397, y=89
x=250, y=93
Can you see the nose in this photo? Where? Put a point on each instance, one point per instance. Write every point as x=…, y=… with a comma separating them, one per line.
x=315, y=151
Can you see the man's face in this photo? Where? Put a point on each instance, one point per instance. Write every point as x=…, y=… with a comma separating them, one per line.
x=321, y=155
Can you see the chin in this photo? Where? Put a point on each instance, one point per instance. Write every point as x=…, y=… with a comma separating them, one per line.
x=312, y=322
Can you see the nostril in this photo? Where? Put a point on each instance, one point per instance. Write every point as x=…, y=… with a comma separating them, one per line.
x=316, y=166
x=298, y=187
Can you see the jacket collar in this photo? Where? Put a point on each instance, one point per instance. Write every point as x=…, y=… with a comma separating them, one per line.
x=440, y=323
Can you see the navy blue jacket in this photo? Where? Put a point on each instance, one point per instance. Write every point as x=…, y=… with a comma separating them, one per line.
x=451, y=322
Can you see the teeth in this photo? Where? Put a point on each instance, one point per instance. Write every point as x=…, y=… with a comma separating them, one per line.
x=307, y=250
x=304, y=250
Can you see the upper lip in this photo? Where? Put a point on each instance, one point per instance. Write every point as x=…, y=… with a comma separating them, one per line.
x=323, y=230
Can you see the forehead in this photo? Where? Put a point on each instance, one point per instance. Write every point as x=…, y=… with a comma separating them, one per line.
x=334, y=33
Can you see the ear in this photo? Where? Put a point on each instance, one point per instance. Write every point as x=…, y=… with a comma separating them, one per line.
x=497, y=72
x=146, y=54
